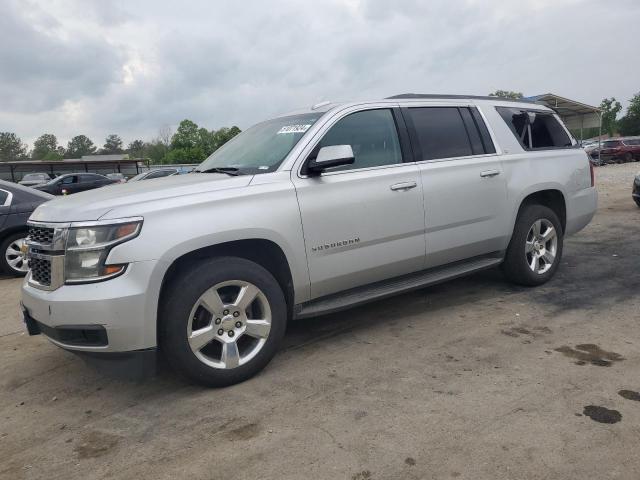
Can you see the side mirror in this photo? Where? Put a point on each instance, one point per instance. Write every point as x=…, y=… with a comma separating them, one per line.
x=328, y=157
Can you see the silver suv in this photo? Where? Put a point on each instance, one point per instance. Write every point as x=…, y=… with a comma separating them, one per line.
x=301, y=215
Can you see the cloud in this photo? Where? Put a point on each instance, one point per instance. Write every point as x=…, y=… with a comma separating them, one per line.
x=96, y=68
x=45, y=65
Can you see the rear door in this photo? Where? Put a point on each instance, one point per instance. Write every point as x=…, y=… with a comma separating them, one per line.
x=465, y=194
x=363, y=222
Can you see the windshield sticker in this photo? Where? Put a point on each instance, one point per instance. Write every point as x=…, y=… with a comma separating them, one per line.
x=293, y=129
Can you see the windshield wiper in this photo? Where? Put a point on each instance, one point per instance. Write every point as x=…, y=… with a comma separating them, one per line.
x=228, y=170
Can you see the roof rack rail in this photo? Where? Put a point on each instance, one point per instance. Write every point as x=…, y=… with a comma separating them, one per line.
x=444, y=96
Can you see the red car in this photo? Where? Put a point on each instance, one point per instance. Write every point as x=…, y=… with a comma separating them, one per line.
x=620, y=150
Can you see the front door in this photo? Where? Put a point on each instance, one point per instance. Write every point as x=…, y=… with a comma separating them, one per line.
x=363, y=222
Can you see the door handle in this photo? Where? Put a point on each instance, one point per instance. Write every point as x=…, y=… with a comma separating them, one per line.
x=403, y=186
x=489, y=173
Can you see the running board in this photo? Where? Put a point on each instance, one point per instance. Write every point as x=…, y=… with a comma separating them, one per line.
x=388, y=288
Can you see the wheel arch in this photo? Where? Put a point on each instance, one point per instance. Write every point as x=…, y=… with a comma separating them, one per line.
x=264, y=252
x=6, y=232
x=552, y=198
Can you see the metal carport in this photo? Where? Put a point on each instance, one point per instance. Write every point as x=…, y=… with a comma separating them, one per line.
x=575, y=115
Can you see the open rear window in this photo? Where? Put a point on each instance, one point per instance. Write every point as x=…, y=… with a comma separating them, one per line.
x=535, y=129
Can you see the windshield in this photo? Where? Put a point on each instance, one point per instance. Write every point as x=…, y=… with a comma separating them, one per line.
x=263, y=147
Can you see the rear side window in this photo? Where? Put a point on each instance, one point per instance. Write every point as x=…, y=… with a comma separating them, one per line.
x=535, y=129
x=447, y=132
x=4, y=195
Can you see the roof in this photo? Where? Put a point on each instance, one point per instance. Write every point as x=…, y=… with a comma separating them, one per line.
x=574, y=114
x=92, y=158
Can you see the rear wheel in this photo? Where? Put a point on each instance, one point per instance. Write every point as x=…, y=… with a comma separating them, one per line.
x=13, y=261
x=637, y=200
x=628, y=157
x=222, y=321
x=535, y=249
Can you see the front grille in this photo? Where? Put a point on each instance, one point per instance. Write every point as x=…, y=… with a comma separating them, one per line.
x=41, y=235
x=40, y=270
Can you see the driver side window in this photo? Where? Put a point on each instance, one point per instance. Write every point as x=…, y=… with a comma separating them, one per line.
x=68, y=180
x=373, y=136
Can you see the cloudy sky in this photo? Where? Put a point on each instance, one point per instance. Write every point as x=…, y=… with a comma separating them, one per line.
x=130, y=67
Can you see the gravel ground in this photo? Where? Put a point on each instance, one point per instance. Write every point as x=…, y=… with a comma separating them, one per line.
x=471, y=379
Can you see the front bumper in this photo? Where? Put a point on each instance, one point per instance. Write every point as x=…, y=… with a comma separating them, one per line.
x=124, y=308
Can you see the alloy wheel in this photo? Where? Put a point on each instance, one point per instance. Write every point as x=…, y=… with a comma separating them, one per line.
x=15, y=258
x=229, y=324
x=541, y=246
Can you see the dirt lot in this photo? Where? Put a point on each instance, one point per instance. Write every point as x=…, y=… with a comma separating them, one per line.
x=471, y=379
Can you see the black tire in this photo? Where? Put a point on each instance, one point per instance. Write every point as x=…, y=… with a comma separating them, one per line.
x=628, y=157
x=5, y=268
x=637, y=200
x=181, y=295
x=515, y=264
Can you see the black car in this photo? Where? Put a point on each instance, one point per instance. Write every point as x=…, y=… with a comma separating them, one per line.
x=16, y=205
x=74, y=183
x=635, y=193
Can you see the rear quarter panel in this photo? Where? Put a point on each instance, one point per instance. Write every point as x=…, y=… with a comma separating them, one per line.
x=565, y=169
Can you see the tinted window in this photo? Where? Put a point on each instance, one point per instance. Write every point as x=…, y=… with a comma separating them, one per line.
x=160, y=173
x=615, y=143
x=89, y=178
x=484, y=131
x=441, y=132
x=472, y=131
x=3, y=197
x=632, y=142
x=535, y=129
x=372, y=135
x=69, y=179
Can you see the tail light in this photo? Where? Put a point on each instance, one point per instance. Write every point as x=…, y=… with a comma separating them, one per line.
x=593, y=175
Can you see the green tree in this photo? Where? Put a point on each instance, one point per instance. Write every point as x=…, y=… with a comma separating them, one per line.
x=155, y=151
x=78, y=146
x=225, y=134
x=187, y=135
x=610, y=108
x=44, y=144
x=506, y=94
x=11, y=147
x=185, y=155
x=136, y=149
x=630, y=123
x=112, y=144
x=53, y=155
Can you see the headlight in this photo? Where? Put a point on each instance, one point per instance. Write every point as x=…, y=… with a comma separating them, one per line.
x=89, y=244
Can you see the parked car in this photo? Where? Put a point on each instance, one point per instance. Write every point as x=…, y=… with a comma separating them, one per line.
x=302, y=215
x=160, y=172
x=119, y=177
x=74, y=183
x=33, y=179
x=620, y=150
x=635, y=193
x=17, y=202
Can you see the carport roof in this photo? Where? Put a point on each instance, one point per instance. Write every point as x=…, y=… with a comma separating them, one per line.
x=575, y=114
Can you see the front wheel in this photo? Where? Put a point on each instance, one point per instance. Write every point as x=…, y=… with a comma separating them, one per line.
x=13, y=261
x=221, y=322
x=628, y=157
x=535, y=249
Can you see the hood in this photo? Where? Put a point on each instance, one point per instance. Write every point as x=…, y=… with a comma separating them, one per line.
x=93, y=204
